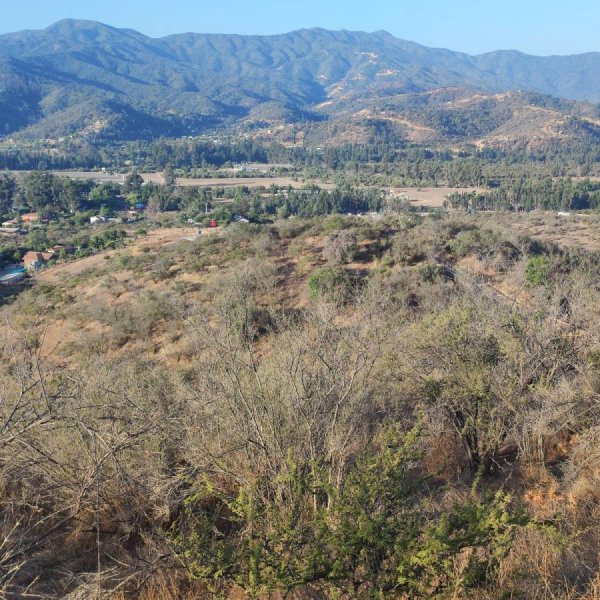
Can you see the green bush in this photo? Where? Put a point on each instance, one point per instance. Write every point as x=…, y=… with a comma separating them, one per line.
x=537, y=271
x=482, y=243
x=329, y=281
x=377, y=532
x=430, y=272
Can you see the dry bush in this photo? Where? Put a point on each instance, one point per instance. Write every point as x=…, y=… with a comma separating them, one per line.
x=340, y=248
x=582, y=473
x=167, y=585
x=96, y=458
x=305, y=394
x=81, y=466
x=291, y=228
x=408, y=248
x=534, y=567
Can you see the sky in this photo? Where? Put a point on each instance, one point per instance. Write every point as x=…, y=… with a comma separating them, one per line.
x=540, y=27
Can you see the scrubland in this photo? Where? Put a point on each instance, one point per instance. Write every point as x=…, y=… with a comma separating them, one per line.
x=342, y=407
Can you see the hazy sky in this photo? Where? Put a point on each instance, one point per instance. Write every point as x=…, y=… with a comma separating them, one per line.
x=533, y=26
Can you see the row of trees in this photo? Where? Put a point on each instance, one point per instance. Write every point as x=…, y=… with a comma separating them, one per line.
x=415, y=162
x=533, y=194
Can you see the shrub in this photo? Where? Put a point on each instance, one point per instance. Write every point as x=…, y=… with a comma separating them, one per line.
x=373, y=533
x=340, y=248
x=430, y=272
x=329, y=281
x=482, y=243
x=291, y=228
x=537, y=271
x=407, y=248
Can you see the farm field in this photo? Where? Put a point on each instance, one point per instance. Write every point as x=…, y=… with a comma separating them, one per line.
x=425, y=197
x=251, y=182
x=431, y=197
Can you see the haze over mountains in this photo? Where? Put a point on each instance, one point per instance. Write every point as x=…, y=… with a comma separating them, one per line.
x=88, y=79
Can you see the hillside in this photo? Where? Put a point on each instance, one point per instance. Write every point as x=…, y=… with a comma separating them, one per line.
x=387, y=406
x=85, y=78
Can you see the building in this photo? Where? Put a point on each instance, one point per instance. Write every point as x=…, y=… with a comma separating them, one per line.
x=33, y=261
x=58, y=248
x=32, y=217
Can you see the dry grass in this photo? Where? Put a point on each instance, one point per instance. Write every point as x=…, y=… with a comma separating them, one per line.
x=575, y=231
x=429, y=197
x=133, y=304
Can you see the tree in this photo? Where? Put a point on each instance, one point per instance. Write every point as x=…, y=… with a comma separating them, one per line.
x=38, y=190
x=37, y=240
x=8, y=188
x=170, y=179
x=133, y=183
x=102, y=194
x=70, y=197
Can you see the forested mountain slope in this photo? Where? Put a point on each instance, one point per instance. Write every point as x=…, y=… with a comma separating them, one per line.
x=80, y=77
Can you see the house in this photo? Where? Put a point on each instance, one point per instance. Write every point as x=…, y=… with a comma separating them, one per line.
x=30, y=217
x=57, y=249
x=33, y=261
x=97, y=219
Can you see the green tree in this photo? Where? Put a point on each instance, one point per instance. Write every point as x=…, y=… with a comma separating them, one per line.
x=37, y=240
x=170, y=179
x=8, y=188
x=70, y=197
x=133, y=183
x=38, y=190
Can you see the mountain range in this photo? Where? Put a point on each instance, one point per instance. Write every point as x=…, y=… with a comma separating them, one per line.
x=82, y=78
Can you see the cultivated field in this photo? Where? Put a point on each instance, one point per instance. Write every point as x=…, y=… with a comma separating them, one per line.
x=431, y=197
